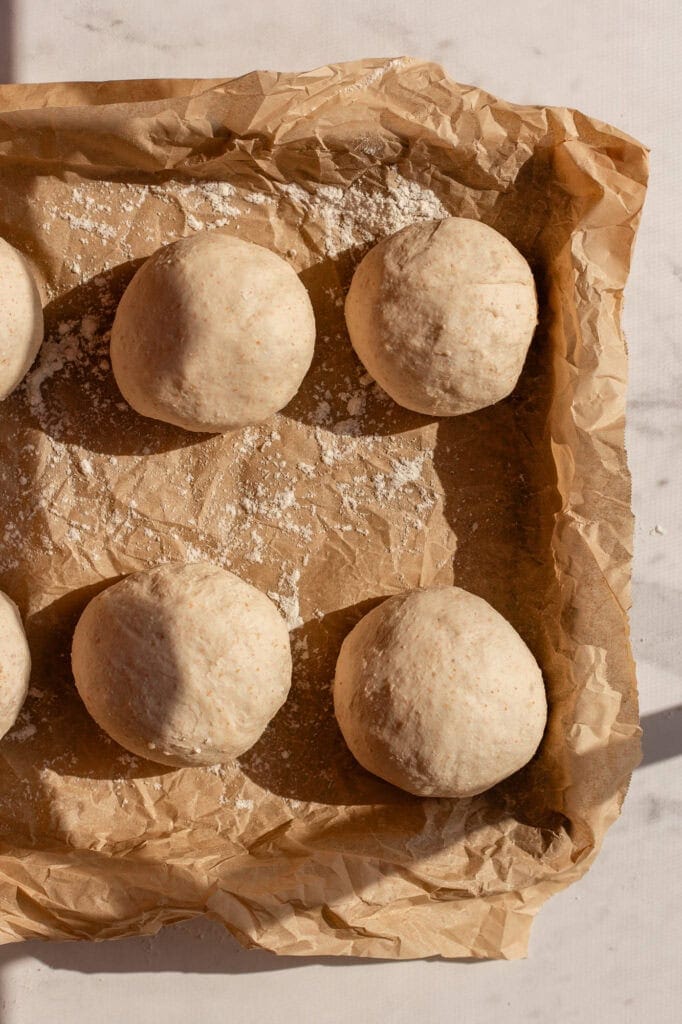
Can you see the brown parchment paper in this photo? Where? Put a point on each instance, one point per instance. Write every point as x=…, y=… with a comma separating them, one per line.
x=340, y=500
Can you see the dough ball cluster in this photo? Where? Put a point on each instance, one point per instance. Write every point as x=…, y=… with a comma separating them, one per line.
x=185, y=664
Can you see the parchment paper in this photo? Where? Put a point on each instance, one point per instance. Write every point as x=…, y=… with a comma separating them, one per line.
x=342, y=499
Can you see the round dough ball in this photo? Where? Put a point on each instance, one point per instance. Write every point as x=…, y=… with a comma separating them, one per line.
x=15, y=664
x=438, y=694
x=182, y=664
x=442, y=314
x=21, y=319
x=212, y=333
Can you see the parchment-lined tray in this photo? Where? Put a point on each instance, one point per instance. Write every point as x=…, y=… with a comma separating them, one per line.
x=338, y=501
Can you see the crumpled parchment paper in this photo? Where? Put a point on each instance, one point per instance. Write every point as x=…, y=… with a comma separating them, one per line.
x=340, y=500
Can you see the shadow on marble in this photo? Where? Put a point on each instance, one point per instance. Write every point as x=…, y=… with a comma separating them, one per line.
x=201, y=946
x=662, y=735
x=6, y=40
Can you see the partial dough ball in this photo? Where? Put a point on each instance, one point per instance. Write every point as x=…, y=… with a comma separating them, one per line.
x=15, y=664
x=442, y=315
x=438, y=694
x=182, y=664
x=212, y=333
x=21, y=319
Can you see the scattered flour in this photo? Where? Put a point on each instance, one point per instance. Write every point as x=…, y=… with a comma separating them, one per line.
x=89, y=226
x=268, y=501
x=287, y=597
x=354, y=217
x=406, y=471
x=22, y=734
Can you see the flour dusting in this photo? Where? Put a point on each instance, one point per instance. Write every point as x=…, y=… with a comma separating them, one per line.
x=354, y=217
x=332, y=498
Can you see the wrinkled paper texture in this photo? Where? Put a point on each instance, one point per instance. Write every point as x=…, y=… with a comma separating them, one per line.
x=338, y=501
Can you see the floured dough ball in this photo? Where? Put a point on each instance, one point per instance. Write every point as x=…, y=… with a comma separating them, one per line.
x=21, y=319
x=438, y=694
x=212, y=333
x=15, y=664
x=442, y=314
x=182, y=664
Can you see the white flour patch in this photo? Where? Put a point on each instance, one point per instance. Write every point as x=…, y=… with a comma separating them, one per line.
x=287, y=598
x=355, y=216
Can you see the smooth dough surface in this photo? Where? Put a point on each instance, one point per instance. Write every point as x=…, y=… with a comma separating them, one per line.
x=184, y=664
x=212, y=333
x=15, y=664
x=442, y=315
x=21, y=318
x=437, y=693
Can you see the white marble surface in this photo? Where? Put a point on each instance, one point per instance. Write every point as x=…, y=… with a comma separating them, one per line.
x=608, y=948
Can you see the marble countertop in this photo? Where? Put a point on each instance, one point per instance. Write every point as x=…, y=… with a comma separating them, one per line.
x=607, y=948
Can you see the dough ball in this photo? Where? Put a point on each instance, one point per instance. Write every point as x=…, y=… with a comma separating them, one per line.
x=212, y=333
x=442, y=314
x=21, y=319
x=438, y=694
x=182, y=664
x=15, y=664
